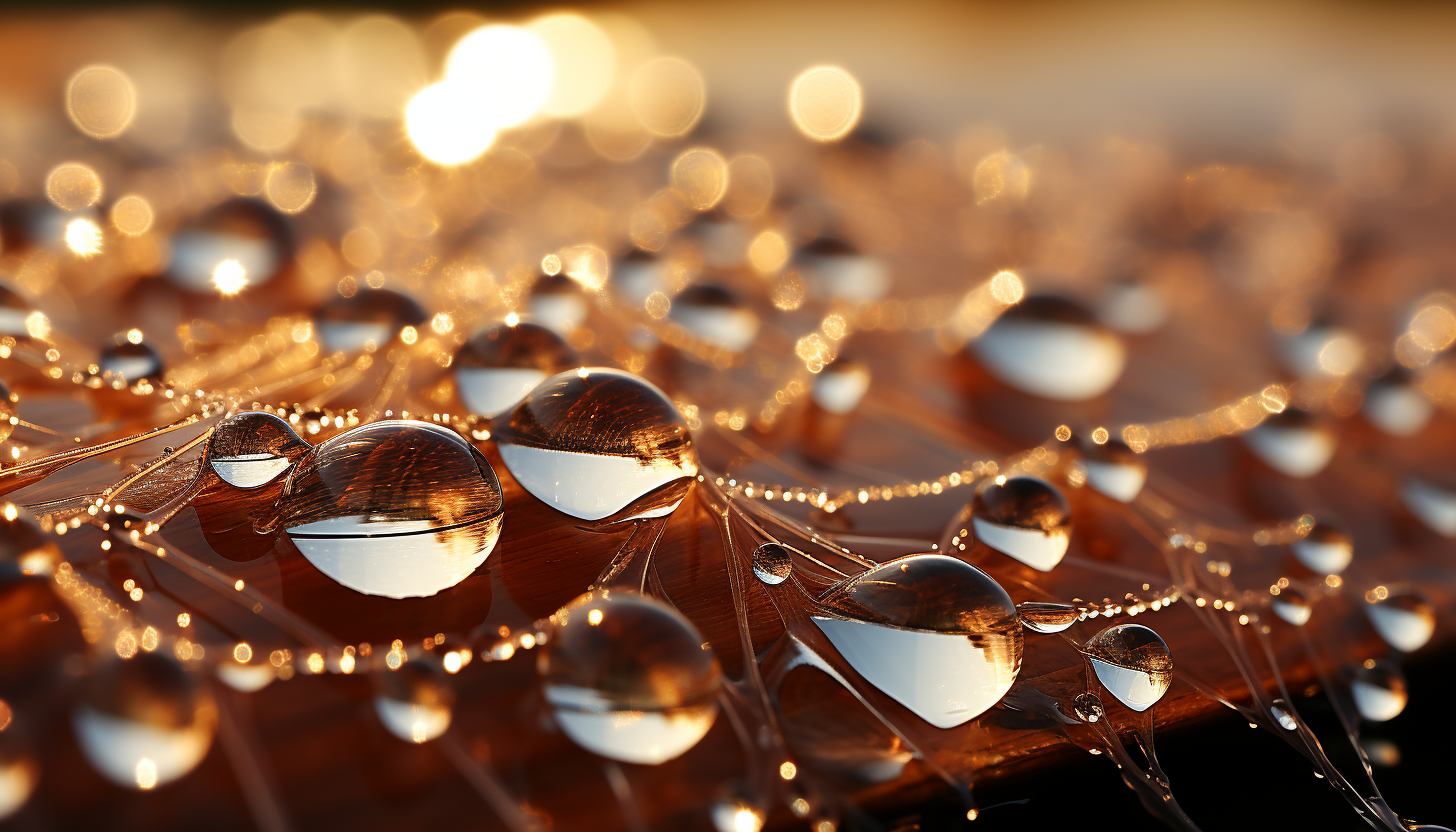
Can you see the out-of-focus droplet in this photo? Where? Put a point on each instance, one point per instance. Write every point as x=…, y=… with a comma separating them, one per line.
x=498, y=366
x=1282, y=715
x=1379, y=690
x=667, y=95
x=1292, y=605
x=701, y=175
x=1396, y=405
x=1046, y=616
x=825, y=103
x=1133, y=663
x=415, y=702
x=1404, y=617
x=247, y=231
x=246, y=671
x=368, y=319
x=1294, y=443
x=936, y=634
x=504, y=71
x=251, y=449
x=14, y=310
x=592, y=442
x=19, y=771
x=736, y=813
x=773, y=563
x=1434, y=503
x=558, y=303
x=1133, y=307
x=132, y=215
x=1322, y=350
x=637, y=275
x=1052, y=347
x=73, y=186
x=130, y=361
x=398, y=509
x=840, y=386
x=629, y=678
x=716, y=316
x=1113, y=469
x=101, y=101
x=1326, y=549
x=583, y=61
x=839, y=271
x=445, y=128
x=83, y=237
x=1024, y=518
x=24, y=544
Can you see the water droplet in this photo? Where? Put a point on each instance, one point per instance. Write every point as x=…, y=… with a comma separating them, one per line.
x=773, y=563
x=629, y=678
x=1052, y=347
x=1088, y=707
x=1113, y=469
x=18, y=772
x=1379, y=690
x=1405, y=618
x=24, y=544
x=399, y=509
x=1434, y=503
x=145, y=721
x=1133, y=307
x=369, y=316
x=1292, y=606
x=734, y=810
x=636, y=275
x=1383, y=752
x=1133, y=663
x=1396, y=405
x=716, y=316
x=839, y=271
x=1282, y=716
x=131, y=362
x=721, y=239
x=558, y=303
x=840, y=386
x=1047, y=617
x=935, y=633
x=415, y=701
x=592, y=442
x=498, y=366
x=1024, y=518
x=1326, y=549
x=249, y=677
x=246, y=230
x=1293, y=442
x=1321, y=350
x=251, y=449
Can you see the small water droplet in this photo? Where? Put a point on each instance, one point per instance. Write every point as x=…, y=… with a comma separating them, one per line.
x=1293, y=442
x=840, y=386
x=636, y=275
x=1052, y=347
x=1433, y=502
x=252, y=448
x=1292, y=605
x=1379, y=690
x=245, y=230
x=414, y=702
x=1046, y=617
x=1024, y=518
x=1396, y=405
x=773, y=563
x=1113, y=469
x=1133, y=663
x=1405, y=618
x=369, y=316
x=1282, y=716
x=498, y=366
x=558, y=303
x=838, y=271
x=1088, y=707
x=131, y=362
x=1327, y=549
x=716, y=316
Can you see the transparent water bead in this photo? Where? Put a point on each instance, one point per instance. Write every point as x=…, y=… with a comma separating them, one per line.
x=1024, y=518
x=1396, y=405
x=1294, y=443
x=840, y=386
x=251, y=449
x=1047, y=617
x=1282, y=715
x=558, y=303
x=935, y=633
x=145, y=721
x=1133, y=663
x=628, y=677
x=1292, y=605
x=415, y=702
x=1321, y=350
x=1113, y=469
x=1088, y=707
x=499, y=365
x=1405, y=618
x=636, y=275
x=1052, y=347
x=773, y=563
x=839, y=271
x=366, y=320
x=399, y=509
x=247, y=231
x=1434, y=503
x=248, y=676
x=592, y=442
x=1379, y=690
x=1327, y=549
x=716, y=316
x=130, y=361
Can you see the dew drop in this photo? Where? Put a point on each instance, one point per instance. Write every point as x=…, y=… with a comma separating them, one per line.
x=1052, y=347
x=399, y=509
x=1404, y=618
x=935, y=633
x=130, y=361
x=1047, y=617
x=629, y=678
x=1113, y=469
x=1293, y=442
x=1088, y=707
x=498, y=366
x=1292, y=606
x=368, y=317
x=840, y=386
x=414, y=702
x=1396, y=405
x=1133, y=663
x=1283, y=717
x=1326, y=549
x=558, y=303
x=1379, y=690
x=773, y=563
x=839, y=271
x=244, y=230
x=715, y=316
x=24, y=544
x=1434, y=503
x=251, y=449
x=1024, y=518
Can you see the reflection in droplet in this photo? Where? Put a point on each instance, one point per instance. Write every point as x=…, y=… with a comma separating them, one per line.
x=1379, y=690
x=1052, y=347
x=1325, y=549
x=840, y=386
x=498, y=366
x=1292, y=606
x=773, y=563
x=399, y=509
x=245, y=231
x=839, y=271
x=591, y=442
x=73, y=186
x=367, y=320
x=716, y=316
x=130, y=361
x=1113, y=469
x=827, y=725
x=1396, y=405
x=1024, y=518
x=938, y=635
x=1283, y=717
x=247, y=671
x=1434, y=503
x=252, y=448
x=825, y=103
x=414, y=702
x=558, y=303
x=1403, y=616
x=1293, y=442
x=1133, y=663
x=629, y=678
x=101, y=101
x=1046, y=616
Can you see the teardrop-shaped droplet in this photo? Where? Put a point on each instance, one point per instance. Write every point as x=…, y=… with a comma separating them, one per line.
x=399, y=509
x=1405, y=618
x=1293, y=442
x=366, y=320
x=18, y=769
x=145, y=721
x=1282, y=715
x=629, y=678
x=636, y=275
x=126, y=362
x=1052, y=347
x=1326, y=549
x=498, y=366
x=1292, y=606
x=773, y=563
x=591, y=442
x=935, y=633
x=243, y=230
x=840, y=386
x=558, y=303
x=839, y=271
x=1433, y=502
x=1024, y=518
x=1133, y=307
x=1133, y=663
x=14, y=310
x=1113, y=469
x=716, y=316
x=415, y=702
x=251, y=449
x=1379, y=690
x=1046, y=616
x=1396, y=405
x=1322, y=350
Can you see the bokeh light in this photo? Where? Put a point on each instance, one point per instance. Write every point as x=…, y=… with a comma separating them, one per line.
x=825, y=103
x=583, y=63
x=101, y=101
x=668, y=95
x=503, y=72
x=445, y=126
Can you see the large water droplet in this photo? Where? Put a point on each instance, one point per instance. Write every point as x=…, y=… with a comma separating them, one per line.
x=1292, y=606
x=1326, y=549
x=129, y=362
x=1293, y=442
x=245, y=230
x=1379, y=690
x=1396, y=405
x=251, y=449
x=145, y=721
x=1088, y=707
x=629, y=678
x=840, y=386
x=1434, y=503
x=415, y=701
x=1133, y=663
x=1113, y=469
x=936, y=634
x=1405, y=618
x=368, y=317
x=1024, y=518
x=839, y=271
x=716, y=316
x=399, y=509
x=592, y=442
x=498, y=366
x=558, y=303
x=1046, y=616
x=773, y=563
x=1052, y=347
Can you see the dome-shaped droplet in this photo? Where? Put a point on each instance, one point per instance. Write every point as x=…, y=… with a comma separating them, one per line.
x=247, y=231
x=399, y=509
x=14, y=310
x=716, y=316
x=1433, y=502
x=1404, y=617
x=591, y=442
x=498, y=366
x=1379, y=690
x=18, y=770
x=1088, y=707
x=126, y=362
x=1052, y=347
x=1293, y=442
x=1282, y=715
x=1133, y=307
x=629, y=678
x=1292, y=606
x=1133, y=663
x=773, y=563
x=252, y=448
x=368, y=319
x=1024, y=518
x=936, y=634
x=839, y=271
x=1396, y=405
x=145, y=721
x=636, y=275
x=415, y=702
x=558, y=303
x=1321, y=350
x=1046, y=616
x=1326, y=549
x=1113, y=469
x=840, y=386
